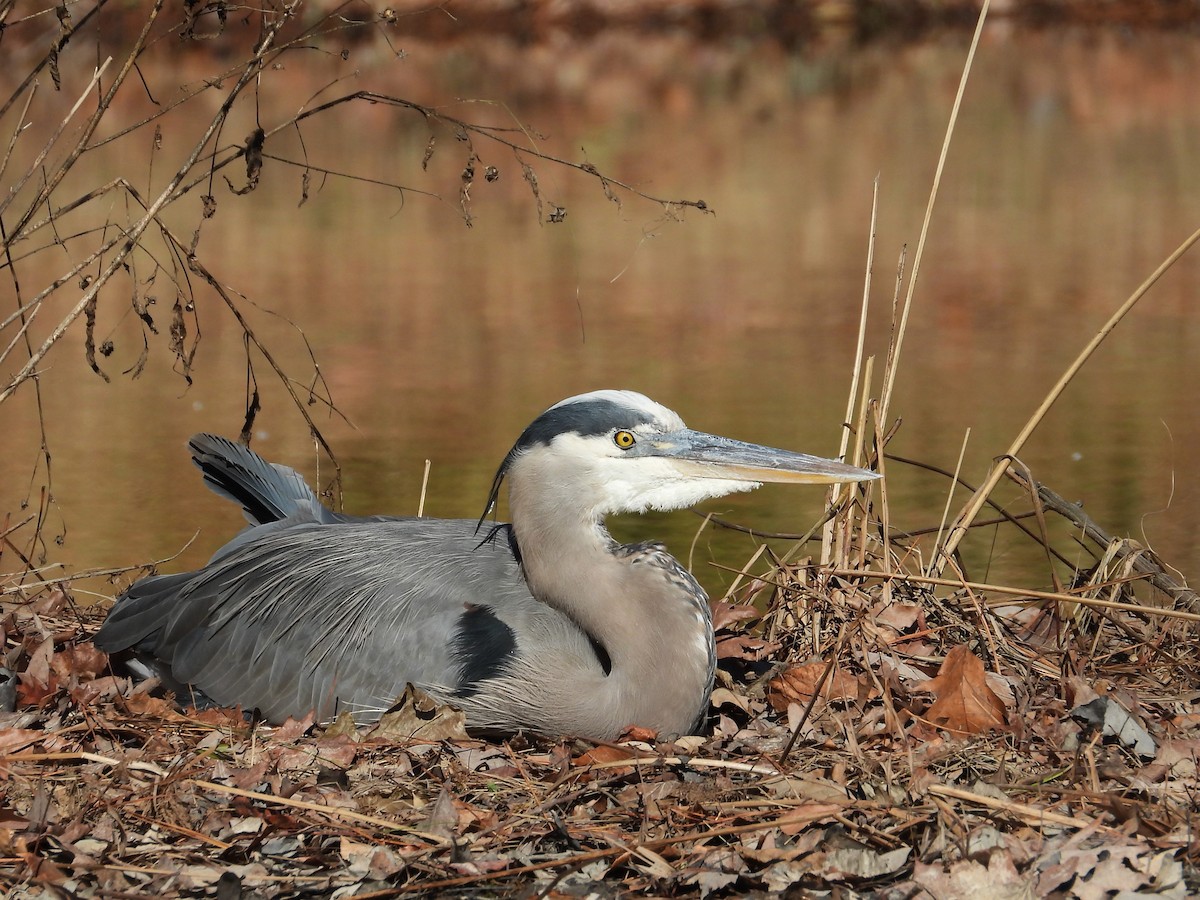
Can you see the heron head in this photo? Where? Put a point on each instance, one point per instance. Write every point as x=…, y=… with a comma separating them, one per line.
x=619, y=451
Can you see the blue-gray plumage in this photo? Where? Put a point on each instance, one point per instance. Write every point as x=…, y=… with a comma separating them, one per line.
x=545, y=624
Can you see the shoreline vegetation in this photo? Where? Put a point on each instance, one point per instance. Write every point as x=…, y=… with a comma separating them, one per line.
x=885, y=722
x=791, y=23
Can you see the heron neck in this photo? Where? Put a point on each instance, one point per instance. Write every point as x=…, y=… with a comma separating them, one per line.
x=655, y=631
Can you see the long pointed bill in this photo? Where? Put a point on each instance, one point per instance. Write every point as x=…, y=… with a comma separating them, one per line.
x=713, y=456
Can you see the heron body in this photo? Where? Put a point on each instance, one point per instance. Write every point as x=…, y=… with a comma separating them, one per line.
x=546, y=624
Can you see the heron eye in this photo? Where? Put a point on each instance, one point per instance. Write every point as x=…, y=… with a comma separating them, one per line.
x=624, y=439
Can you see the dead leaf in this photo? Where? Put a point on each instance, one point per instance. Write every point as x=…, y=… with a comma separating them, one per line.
x=804, y=815
x=294, y=729
x=965, y=703
x=900, y=617
x=967, y=878
x=1175, y=760
x=370, y=860
x=13, y=739
x=780, y=876
x=85, y=661
x=721, y=696
x=717, y=870
x=743, y=646
x=145, y=705
x=809, y=787
x=417, y=716
x=1113, y=720
x=343, y=724
x=725, y=614
x=442, y=818
x=798, y=684
x=639, y=733
x=604, y=753
x=33, y=692
x=859, y=863
x=38, y=669
x=42, y=870
x=51, y=604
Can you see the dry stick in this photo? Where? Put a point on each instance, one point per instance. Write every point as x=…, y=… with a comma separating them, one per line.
x=685, y=761
x=36, y=166
x=1025, y=593
x=132, y=765
x=813, y=812
x=1039, y=510
x=890, y=373
x=1147, y=567
x=864, y=523
x=333, y=811
x=22, y=123
x=30, y=79
x=962, y=452
x=134, y=235
x=35, y=303
x=998, y=469
x=737, y=581
x=1024, y=810
x=1005, y=516
x=1006, y=519
x=836, y=489
x=248, y=334
x=692, y=547
x=845, y=524
x=431, y=113
x=424, y=488
x=87, y=573
x=51, y=183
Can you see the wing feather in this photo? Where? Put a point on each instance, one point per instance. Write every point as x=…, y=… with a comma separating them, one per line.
x=322, y=615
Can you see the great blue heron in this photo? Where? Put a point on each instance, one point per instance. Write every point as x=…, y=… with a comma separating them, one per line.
x=546, y=624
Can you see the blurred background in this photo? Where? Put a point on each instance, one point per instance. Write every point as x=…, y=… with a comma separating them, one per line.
x=1072, y=174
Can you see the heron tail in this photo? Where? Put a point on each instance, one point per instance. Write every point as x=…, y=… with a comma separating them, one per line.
x=267, y=492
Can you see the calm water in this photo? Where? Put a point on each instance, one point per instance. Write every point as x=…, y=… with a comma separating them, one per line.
x=1073, y=174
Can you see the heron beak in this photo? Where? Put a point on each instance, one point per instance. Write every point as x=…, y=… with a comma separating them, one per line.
x=711, y=456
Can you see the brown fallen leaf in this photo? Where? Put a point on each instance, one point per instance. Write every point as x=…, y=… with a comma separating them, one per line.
x=38, y=668
x=725, y=614
x=293, y=729
x=743, y=646
x=965, y=703
x=141, y=704
x=799, y=683
x=603, y=753
x=968, y=878
x=31, y=691
x=51, y=603
x=858, y=863
x=14, y=739
x=416, y=715
x=86, y=661
x=41, y=870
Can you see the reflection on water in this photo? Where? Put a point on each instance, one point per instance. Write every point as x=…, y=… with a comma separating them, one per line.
x=1072, y=176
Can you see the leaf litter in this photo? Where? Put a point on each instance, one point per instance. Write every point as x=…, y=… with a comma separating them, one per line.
x=877, y=730
x=866, y=738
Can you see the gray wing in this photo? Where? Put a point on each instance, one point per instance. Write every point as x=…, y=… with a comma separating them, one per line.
x=309, y=609
x=307, y=616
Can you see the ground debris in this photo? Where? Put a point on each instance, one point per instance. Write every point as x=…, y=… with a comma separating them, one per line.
x=930, y=761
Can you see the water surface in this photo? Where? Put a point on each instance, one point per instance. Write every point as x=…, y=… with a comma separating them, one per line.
x=1073, y=174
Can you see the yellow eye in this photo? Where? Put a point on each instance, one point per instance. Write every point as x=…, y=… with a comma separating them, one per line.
x=624, y=439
